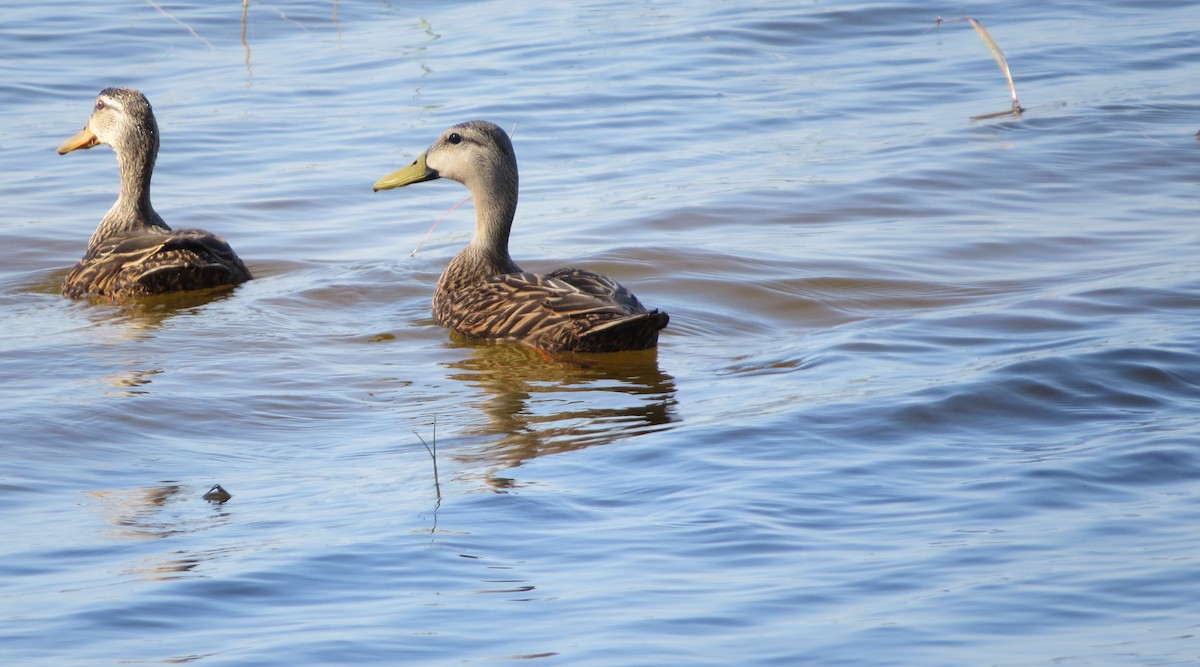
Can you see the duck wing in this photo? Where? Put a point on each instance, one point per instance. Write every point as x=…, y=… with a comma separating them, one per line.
x=152, y=263
x=570, y=309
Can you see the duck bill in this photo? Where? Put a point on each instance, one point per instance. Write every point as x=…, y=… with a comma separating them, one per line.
x=84, y=140
x=417, y=172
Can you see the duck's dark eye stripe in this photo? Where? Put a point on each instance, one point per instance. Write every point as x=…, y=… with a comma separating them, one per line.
x=454, y=138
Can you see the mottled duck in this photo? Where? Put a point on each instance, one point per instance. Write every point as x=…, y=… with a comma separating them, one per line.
x=133, y=252
x=483, y=294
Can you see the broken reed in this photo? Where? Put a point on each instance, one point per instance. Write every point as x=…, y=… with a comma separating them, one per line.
x=433, y=455
x=998, y=54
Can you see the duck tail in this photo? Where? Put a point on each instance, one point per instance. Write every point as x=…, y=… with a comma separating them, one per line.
x=635, y=332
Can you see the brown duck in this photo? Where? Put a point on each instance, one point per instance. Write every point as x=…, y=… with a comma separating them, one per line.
x=483, y=294
x=133, y=252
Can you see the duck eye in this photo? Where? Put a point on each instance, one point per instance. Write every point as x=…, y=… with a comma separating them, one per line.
x=99, y=104
x=454, y=138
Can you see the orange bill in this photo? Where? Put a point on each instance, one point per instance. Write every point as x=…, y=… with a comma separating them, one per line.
x=85, y=139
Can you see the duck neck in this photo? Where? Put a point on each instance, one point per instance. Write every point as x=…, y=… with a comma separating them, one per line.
x=494, y=213
x=487, y=253
x=133, y=212
x=495, y=208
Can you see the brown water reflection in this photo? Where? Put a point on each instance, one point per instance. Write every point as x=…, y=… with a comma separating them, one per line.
x=138, y=320
x=152, y=311
x=541, y=406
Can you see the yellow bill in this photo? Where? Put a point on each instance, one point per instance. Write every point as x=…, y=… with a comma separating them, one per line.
x=416, y=172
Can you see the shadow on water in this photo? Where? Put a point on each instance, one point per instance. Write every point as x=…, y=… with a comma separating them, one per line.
x=536, y=406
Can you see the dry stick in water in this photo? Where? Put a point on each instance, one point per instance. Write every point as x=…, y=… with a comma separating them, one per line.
x=1000, y=60
x=433, y=455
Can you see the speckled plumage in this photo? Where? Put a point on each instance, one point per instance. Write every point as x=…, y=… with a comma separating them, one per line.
x=133, y=252
x=142, y=264
x=484, y=294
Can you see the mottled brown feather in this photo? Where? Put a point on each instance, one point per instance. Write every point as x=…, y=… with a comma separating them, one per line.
x=156, y=263
x=590, y=313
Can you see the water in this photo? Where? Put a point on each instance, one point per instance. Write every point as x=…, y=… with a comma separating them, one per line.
x=928, y=395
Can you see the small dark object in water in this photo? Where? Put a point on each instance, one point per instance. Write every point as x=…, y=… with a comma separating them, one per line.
x=217, y=494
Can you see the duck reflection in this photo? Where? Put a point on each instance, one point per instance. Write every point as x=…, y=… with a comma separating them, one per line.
x=131, y=382
x=159, y=512
x=137, y=316
x=150, y=312
x=539, y=405
x=139, y=319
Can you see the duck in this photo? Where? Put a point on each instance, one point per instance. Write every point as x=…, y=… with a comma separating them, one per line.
x=133, y=252
x=483, y=294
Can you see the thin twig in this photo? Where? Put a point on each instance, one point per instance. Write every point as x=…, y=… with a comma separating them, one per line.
x=189, y=28
x=433, y=455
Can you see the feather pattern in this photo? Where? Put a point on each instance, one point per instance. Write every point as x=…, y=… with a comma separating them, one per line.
x=483, y=294
x=133, y=251
x=145, y=264
x=559, y=311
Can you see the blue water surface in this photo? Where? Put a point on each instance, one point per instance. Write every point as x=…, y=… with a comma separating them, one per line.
x=928, y=395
